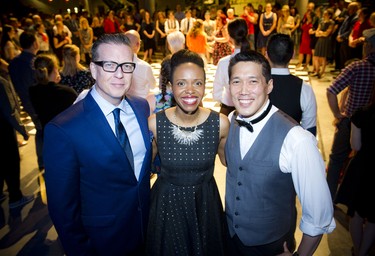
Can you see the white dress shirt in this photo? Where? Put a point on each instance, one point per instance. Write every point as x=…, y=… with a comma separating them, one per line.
x=307, y=100
x=143, y=79
x=171, y=25
x=220, y=90
x=130, y=122
x=301, y=157
x=184, y=24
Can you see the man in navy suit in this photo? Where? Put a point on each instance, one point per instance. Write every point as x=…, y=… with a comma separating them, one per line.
x=98, y=196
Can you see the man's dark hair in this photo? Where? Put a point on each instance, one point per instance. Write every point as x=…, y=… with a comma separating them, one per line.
x=280, y=49
x=251, y=56
x=117, y=38
x=27, y=39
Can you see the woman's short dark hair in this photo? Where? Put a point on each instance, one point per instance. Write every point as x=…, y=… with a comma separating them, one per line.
x=185, y=56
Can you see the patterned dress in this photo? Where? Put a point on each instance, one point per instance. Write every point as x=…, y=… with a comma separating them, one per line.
x=160, y=105
x=86, y=38
x=80, y=81
x=220, y=49
x=186, y=214
x=209, y=27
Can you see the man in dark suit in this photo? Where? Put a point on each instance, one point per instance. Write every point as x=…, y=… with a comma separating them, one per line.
x=98, y=183
x=23, y=77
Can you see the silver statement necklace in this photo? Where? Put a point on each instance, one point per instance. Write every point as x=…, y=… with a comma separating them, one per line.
x=185, y=137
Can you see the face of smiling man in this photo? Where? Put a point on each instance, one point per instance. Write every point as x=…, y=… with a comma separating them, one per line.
x=249, y=88
x=112, y=86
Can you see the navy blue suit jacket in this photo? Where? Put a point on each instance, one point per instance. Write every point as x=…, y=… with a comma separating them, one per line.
x=96, y=203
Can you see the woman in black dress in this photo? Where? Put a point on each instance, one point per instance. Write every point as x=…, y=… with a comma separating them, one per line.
x=148, y=33
x=186, y=213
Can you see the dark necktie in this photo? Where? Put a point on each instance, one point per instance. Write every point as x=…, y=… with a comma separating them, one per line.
x=122, y=136
x=256, y=120
x=188, y=25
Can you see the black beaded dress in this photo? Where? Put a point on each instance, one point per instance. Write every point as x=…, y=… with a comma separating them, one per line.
x=186, y=213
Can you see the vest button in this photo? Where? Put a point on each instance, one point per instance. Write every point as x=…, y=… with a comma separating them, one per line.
x=241, y=169
x=236, y=226
x=239, y=183
x=236, y=213
x=237, y=198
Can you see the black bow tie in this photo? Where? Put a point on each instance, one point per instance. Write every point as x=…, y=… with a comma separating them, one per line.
x=245, y=124
x=248, y=125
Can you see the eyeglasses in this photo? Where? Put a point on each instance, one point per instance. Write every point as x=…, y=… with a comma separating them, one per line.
x=111, y=67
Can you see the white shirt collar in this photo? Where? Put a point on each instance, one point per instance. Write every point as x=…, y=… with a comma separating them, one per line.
x=248, y=119
x=280, y=71
x=106, y=106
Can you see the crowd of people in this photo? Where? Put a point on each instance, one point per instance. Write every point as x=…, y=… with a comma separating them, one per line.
x=100, y=130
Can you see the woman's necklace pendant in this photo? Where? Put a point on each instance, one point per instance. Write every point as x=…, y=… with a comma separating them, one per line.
x=186, y=137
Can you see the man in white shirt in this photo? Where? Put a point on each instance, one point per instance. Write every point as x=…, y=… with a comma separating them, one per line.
x=143, y=79
x=171, y=24
x=187, y=22
x=270, y=160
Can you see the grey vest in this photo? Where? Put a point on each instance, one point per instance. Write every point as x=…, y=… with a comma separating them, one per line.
x=260, y=198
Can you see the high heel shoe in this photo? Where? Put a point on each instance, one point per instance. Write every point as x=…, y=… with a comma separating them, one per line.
x=301, y=68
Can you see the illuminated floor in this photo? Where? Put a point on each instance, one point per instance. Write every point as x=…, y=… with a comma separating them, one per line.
x=29, y=230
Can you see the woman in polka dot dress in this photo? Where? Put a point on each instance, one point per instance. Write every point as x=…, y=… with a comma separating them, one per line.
x=186, y=214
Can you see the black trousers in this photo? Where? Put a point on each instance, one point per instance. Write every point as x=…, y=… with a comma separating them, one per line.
x=236, y=247
x=10, y=159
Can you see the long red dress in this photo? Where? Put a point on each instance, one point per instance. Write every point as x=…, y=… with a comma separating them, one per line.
x=304, y=47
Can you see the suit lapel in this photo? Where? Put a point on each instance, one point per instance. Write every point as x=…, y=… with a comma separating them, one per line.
x=99, y=124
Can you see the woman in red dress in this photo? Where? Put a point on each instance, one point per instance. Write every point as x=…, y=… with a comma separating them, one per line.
x=304, y=48
x=222, y=46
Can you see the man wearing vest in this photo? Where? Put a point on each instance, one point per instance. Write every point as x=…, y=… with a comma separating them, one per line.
x=270, y=159
x=290, y=94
